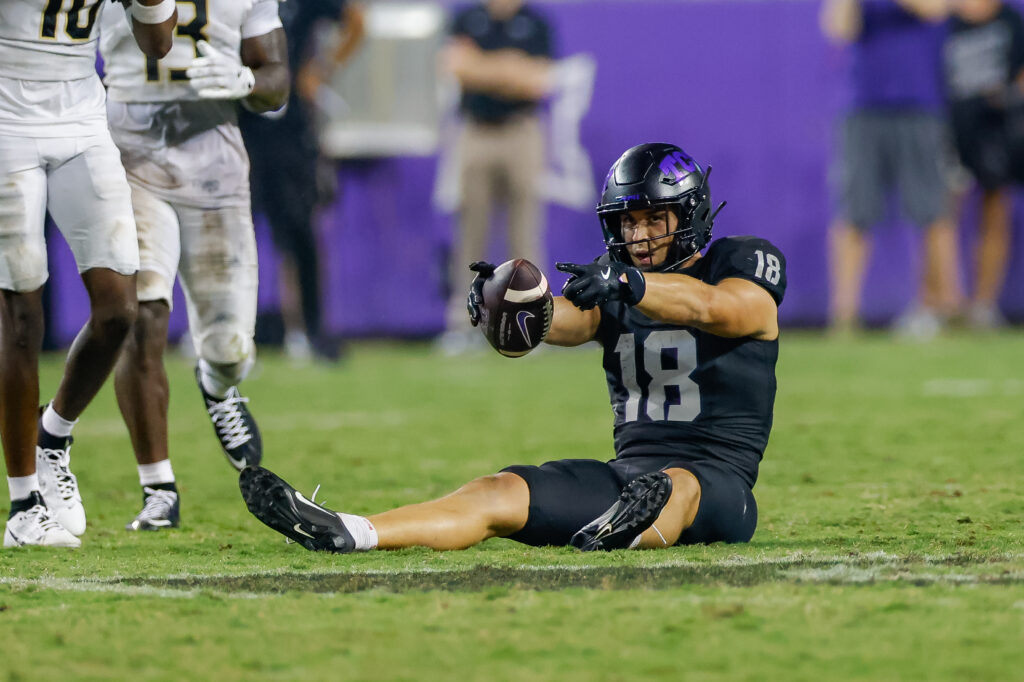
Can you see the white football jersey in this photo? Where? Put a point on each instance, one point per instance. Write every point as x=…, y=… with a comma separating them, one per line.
x=50, y=40
x=132, y=77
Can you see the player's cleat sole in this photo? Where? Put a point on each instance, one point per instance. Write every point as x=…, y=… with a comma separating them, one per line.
x=289, y=512
x=160, y=509
x=234, y=425
x=635, y=511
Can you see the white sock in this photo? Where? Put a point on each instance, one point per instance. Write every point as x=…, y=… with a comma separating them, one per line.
x=212, y=384
x=156, y=473
x=22, y=486
x=363, y=532
x=56, y=425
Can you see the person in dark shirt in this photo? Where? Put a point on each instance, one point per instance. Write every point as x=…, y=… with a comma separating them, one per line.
x=284, y=153
x=984, y=68
x=500, y=54
x=690, y=346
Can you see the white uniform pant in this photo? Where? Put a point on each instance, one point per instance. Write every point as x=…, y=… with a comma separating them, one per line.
x=214, y=253
x=81, y=182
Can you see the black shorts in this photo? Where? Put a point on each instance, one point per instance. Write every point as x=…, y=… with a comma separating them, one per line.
x=982, y=143
x=567, y=494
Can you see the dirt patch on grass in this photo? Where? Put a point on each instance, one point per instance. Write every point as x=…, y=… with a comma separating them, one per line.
x=480, y=578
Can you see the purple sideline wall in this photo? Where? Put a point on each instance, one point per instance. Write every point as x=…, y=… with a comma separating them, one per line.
x=748, y=87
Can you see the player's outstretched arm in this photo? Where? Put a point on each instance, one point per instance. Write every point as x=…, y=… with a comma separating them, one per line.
x=267, y=56
x=571, y=326
x=732, y=308
x=153, y=22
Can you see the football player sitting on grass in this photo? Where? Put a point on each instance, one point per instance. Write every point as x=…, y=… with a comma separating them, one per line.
x=690, y=345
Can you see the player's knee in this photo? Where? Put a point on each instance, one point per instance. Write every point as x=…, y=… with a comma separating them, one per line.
x=490, y=484
x=685, y=485
x=26, y=321
x=496, y=490
x=678, y=513
x=149, y=334
x=504, y=496
x=225, y=347
x=227, y=355
x=114, y=318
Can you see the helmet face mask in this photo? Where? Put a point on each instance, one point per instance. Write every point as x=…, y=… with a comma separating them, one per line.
x=657, y=176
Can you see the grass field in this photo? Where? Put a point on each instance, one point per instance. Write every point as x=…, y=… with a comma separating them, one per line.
x=890, y=545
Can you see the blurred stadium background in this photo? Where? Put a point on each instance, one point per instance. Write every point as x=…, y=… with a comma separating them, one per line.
x=889, y=545
x=757, y=104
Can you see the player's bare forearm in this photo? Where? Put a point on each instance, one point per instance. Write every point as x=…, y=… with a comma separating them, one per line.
x=927, y=10
x=571, y=326
x=841, y=20
x=267, y=56
x=154, y=39
x=732, y=308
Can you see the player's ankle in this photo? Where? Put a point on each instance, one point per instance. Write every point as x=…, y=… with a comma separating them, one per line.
x=363, y=532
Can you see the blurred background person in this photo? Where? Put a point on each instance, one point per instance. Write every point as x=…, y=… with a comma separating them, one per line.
x=285, y=153
x=500, y=54
x=984, y=69
x=893, y=136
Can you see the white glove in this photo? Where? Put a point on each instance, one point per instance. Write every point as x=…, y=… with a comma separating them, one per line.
x=215, y=75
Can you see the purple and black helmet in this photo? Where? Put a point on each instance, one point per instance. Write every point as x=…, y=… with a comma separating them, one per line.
x=654, y=175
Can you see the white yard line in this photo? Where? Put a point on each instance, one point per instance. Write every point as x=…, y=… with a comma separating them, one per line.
x=972, y=388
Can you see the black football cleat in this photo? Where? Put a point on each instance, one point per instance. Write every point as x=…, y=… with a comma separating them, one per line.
x=635, y=511
x=289, y=512
x=160, y=509
x=235, y=427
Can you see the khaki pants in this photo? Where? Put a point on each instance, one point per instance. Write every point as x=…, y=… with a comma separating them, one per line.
x=499, y=164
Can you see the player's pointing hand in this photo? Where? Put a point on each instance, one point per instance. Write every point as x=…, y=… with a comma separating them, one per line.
x=215, y=75
x=597, y=283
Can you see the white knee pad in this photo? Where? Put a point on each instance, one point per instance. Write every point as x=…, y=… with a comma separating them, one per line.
x=228, y=354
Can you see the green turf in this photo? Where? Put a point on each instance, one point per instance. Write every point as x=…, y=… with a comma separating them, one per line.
x=889, y=544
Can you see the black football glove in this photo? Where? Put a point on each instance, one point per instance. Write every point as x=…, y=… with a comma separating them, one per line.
x=483, y=271
x=594, y=284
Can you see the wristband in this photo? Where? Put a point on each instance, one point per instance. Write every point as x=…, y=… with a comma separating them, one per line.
x=637, y=285
x=152, y=14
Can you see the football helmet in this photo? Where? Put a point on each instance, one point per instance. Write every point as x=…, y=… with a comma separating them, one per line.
x=656, y=175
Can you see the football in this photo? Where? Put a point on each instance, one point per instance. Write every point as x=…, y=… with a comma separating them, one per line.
x=517, y=308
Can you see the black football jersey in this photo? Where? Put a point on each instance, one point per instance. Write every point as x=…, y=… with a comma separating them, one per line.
x=679, y=391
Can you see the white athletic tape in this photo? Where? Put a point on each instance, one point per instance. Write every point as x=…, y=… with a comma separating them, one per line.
x=152, y=14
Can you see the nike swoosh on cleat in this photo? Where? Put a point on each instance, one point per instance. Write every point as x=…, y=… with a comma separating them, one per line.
x=298, y=529
x=603, y=530
x=237, y=463
x=158, y=522
x=302, y=498
x=607, y=274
